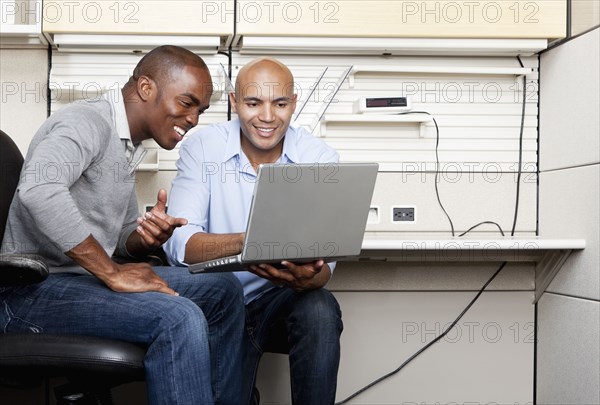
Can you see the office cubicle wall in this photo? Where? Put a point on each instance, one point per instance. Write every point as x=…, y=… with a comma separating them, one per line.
x=569, y=312
x=24, y=81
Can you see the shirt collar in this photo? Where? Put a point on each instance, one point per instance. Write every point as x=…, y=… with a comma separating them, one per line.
x=133, y=153
x=290, y=151
x=234, y=145
x=119, y=116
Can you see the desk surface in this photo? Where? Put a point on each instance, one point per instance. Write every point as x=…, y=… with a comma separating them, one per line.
x=388, y=242
x=548, y=254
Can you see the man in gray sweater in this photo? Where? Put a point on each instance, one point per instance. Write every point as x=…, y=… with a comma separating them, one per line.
x=76, y=206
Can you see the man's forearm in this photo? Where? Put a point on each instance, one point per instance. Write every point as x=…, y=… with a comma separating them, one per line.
x=130, y=277
x=90, y=255
x=135, y=247
x=207, y=246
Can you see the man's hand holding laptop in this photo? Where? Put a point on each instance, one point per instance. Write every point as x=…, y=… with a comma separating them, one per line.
x=299, y=277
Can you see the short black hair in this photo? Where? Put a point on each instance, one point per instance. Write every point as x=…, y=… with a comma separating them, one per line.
x=161, y=63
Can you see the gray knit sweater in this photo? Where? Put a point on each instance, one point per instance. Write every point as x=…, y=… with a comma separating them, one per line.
x=76, y=181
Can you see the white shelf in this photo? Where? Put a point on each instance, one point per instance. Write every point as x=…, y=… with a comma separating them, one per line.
x=548, y=254
x=421, y=119
x=455, y=70
x=133, y=43
x=151, y=161
x=464, y=243
x=285, y=42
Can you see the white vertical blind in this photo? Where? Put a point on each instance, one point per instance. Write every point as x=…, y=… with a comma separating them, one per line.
x=479, y=114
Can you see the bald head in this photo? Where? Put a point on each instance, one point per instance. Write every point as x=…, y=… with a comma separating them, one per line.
x=269, y=68
x=163, y=63
x=264, y=101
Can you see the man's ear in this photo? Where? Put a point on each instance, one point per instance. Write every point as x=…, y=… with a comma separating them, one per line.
x=232, y=102
x=145, y=87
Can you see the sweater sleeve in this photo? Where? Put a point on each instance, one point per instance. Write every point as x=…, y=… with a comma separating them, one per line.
x=128, y=227
x=63, y=156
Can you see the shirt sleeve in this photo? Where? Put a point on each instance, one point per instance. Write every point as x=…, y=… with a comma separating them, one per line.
x=129, y=226
x=61, y=158
x=189, y=198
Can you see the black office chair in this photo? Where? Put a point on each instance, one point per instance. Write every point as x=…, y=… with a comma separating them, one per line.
x=92, y=365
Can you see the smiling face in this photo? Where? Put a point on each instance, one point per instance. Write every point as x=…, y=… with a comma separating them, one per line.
x=178, y=105
x=264, y=101
x=175, y=105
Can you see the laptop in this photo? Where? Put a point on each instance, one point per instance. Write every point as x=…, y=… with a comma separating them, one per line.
x=302, y=213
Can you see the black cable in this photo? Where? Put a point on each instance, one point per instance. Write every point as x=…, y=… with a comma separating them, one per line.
x=229, y=67
x=519, y=170
x=48, y=89
x=481, y=223
x=229, y=55
x=437, y=164
x=437, y=339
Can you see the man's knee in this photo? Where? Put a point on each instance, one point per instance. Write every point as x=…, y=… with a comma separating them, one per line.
x=184, y=316
x=319, y=307
x=229, y=284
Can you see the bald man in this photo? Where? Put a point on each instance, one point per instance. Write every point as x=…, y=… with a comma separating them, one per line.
x=213, y=189
x=75, y=205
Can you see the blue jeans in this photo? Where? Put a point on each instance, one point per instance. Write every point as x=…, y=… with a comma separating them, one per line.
x=309, y=325
x=187, y=336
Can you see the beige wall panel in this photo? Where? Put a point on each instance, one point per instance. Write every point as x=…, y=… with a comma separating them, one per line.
x=468, y=197
x=569, y=103
x=148, y=183
x=428, y=276
x=488, y=358
x=568, y=353
x=573, y=192
x=183, y=17
x=393, y=18
x=24, y=79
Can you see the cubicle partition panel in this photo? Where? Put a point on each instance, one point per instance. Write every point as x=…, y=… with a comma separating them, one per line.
x=568, y=361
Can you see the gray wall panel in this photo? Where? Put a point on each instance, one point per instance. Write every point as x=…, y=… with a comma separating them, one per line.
x=24, y=79
x=568, y=351
x=569, y=208
x=569, y=104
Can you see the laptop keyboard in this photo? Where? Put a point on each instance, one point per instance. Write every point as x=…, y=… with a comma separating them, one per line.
x=222, y=261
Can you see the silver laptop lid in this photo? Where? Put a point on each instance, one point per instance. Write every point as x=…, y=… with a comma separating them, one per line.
x=309, y=211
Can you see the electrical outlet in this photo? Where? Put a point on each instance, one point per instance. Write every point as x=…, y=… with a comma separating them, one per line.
x=403, y=214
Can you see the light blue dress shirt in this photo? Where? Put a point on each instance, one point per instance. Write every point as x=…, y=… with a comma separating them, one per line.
x=214, y=185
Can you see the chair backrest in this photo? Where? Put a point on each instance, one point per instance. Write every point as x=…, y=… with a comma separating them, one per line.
x=11, y=162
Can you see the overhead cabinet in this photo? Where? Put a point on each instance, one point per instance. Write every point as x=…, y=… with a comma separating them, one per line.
x=399, y=27
x=400, y=18
x=123, y=25
x=307, y=26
